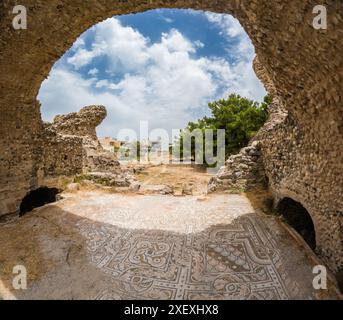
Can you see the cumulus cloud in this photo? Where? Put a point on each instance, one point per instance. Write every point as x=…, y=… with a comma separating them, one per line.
x=83, y=57
x=229, y=25
x=240, y=47
x=231, y=29
x=164, y=82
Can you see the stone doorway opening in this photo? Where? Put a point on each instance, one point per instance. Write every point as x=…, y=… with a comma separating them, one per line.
x=298, y=217
x=38, y=198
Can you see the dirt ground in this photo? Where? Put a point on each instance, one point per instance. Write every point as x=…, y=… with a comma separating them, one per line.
x=180, y=177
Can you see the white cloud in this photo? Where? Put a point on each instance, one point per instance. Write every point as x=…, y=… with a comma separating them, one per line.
x=123, y=46
x=64, y=91
x=102, y=83
x=79, y=43
x=174, y=41
x=83, y=57
x=232, y=29
x=199, y=44
x=230, y=26
x=93, y=72
x=168, y=20
x=164, y=82
x=243, y=78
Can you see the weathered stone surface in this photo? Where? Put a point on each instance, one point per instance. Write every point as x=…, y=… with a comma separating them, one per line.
x=156, y=189
x=98, y=165
x=241, y=172
x=83, y=125
x=62, y=155
x=121, y=179
x=302, y=67
x=73, y=187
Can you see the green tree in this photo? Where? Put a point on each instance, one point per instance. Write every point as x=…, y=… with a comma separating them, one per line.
x=240, y=117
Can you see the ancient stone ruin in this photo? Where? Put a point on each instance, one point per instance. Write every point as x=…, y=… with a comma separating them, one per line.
x=242, y=171
x=98, y=165
x=301, y=67
x=83, y=125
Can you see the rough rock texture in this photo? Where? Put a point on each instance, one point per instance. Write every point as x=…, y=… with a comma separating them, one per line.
x=62, y=155
x=98, y=164
x=83, y=124
x=304, y=66
x=303, y=163
x=242, y=172
x=156, y=189
x=119, y=179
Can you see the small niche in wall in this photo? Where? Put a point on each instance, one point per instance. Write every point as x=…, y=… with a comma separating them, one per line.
x=298, y=217
x=38, y=198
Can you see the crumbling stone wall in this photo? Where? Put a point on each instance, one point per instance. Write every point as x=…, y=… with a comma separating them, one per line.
x=304, y=159
x=298, y=167
x=83, y=125
x=77, y=140
x=61, y=155
x=242, y=172
x=297, y=170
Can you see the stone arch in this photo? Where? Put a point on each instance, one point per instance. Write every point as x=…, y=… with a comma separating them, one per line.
x=299, y=63
x=38, y=198
x=299, y=218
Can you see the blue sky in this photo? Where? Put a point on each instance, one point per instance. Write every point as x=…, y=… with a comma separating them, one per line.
x=161, y=66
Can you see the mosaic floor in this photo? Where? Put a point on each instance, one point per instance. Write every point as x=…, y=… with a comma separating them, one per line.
x=108, y=246
x=237, y=262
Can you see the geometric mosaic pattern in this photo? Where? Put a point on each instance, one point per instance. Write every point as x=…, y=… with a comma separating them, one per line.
x=236, y=261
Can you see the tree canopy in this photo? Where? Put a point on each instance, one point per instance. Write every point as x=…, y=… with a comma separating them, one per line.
x=240, y=117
